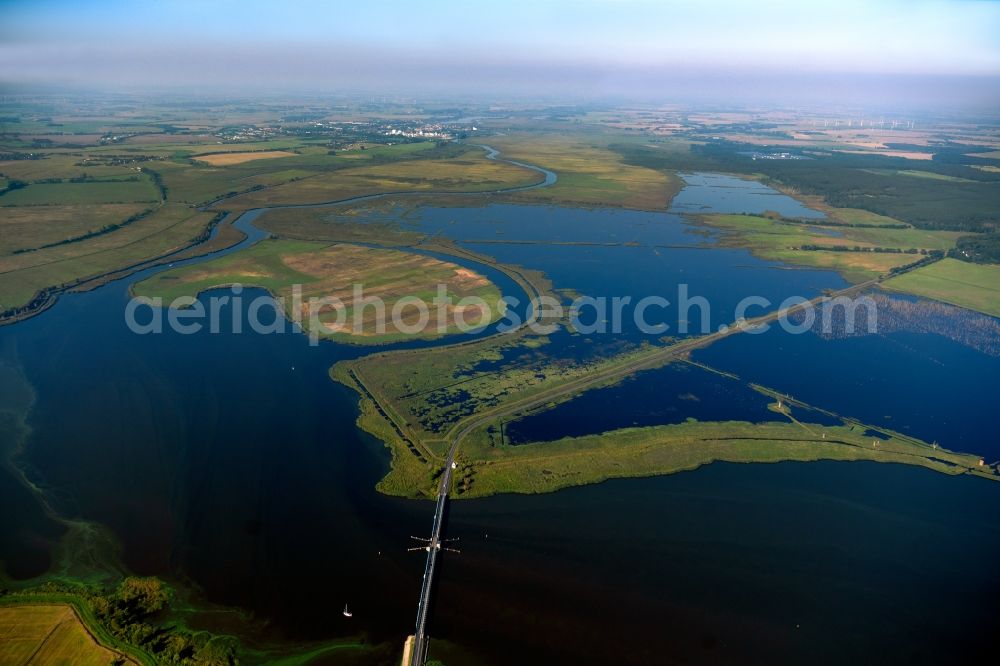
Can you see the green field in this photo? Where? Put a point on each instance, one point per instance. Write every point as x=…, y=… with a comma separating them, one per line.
x=783, y=241
x=903, y=238
x=850, y=215
x=973, y=286
x=31, y=227
x=322, y=270
x=170, y=228
x=99, y=192
x=61, y=165
x=913, y=173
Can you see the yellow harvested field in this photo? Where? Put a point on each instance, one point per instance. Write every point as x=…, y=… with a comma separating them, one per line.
x=50, y=634
x=226, y=159
x=908, y=154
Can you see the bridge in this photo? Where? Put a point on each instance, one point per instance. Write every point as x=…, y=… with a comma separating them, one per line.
x=417, y=654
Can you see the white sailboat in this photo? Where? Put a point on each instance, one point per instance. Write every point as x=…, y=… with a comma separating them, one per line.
x=347, y=613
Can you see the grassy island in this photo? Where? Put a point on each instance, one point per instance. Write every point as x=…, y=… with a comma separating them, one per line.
x=420, y=402
x=323, y=270
x=632, y=452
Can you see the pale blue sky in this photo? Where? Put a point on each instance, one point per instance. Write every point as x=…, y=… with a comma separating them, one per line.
x=333, y=43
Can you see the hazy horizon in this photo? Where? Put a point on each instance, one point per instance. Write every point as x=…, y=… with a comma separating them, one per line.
x=919, y=53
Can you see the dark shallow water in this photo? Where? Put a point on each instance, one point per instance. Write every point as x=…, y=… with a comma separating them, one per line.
x=924, y=385
x=791, y=563
x=233, y=462
x=509, y=223
x=720, y=277
x=667, y=395
x=719, y=193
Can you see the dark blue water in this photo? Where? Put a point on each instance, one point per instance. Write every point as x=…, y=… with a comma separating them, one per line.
x=509, y=223
x=791, y=563
x=229, y=459
x=702, y=287
x=923, y=385
x=635, y=254
x=671, y=394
